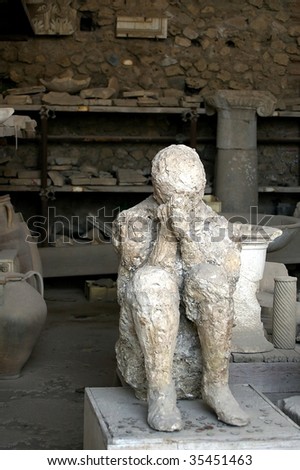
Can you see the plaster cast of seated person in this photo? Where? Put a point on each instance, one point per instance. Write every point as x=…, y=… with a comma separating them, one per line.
x=188, y=256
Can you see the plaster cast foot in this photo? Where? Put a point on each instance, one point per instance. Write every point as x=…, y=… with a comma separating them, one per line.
x=221, y=400
x=163, y=414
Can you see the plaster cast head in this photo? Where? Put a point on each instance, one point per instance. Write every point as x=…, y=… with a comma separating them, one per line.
x=177, y=169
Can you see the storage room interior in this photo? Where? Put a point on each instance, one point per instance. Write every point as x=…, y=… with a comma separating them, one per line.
x=90, y=91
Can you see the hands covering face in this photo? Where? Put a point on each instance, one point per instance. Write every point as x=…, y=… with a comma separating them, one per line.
x=178, y=212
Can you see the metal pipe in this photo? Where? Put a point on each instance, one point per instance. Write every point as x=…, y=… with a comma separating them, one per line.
x=44, y=164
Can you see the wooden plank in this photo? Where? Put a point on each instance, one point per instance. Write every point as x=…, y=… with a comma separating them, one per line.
x=79, y=260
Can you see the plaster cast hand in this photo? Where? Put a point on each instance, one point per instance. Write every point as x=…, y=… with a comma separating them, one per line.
x=165, y=228
x=181, y=211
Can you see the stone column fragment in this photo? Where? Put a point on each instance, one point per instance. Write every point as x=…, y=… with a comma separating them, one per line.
x=284, y=312
x=236, y=166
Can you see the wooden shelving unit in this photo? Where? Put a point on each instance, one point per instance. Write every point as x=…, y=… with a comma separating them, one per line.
x=44, y=138
x=102, y=259
x=190, y=114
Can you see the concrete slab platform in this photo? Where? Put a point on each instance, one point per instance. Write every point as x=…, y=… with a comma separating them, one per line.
x=115, y=419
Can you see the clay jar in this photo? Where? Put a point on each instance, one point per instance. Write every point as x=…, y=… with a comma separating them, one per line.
x=22, y=315
x=15, y=235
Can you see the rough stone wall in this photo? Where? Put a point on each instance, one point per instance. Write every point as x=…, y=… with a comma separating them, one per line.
x=211, y=44
x=278, y=163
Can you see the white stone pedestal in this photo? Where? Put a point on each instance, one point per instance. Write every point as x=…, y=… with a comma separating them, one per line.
x=248, y=332
x=115, y=419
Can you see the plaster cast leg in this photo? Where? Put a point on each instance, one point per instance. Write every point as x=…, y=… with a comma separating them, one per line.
x=213, y=315
x=155, y=308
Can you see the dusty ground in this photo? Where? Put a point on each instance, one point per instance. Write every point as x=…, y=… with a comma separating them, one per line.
x=43, y=409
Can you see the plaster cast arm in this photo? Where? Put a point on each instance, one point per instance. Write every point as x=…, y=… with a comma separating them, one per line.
x=165, y=246
x=181, y=212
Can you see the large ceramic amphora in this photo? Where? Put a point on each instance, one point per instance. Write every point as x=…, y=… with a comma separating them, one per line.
x=15, y=235
x=23, y=313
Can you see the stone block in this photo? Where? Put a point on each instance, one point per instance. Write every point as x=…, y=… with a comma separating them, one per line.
x=95, y=292
x=101, y=93
x=17, y=99
x=170, y=101
x=62, y=98
x=125, y=102
x=29, y=90
x=60, y=167
x=28, y=181
x=4, y=181
x=97, y=102
x=140, y=93
x=29, y=173
x=115, y=420
x=77, y=181
x=128, y=177
x=182, y=41
x=147, y=101
x=10, y=172
x=56, y=177
x=291, y=407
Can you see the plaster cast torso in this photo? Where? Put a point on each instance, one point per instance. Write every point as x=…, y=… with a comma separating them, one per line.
x=134, y=235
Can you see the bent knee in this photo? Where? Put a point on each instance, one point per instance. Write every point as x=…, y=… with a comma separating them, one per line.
x=153, y=289
x=205, y=279
x=152, y=278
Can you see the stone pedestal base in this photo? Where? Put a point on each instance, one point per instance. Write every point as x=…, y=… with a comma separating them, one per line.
x=115, y=419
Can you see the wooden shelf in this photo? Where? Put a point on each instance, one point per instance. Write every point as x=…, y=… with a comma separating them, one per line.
x=125, y=189
x=80, y=189
x=102, y=189
x=290, y=113
x=128, y=109
x=107, y=109
x=279, y=189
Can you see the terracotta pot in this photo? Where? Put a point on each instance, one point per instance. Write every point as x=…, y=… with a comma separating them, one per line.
x=22, y=316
